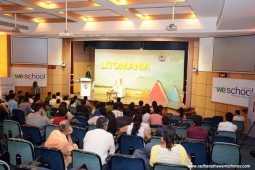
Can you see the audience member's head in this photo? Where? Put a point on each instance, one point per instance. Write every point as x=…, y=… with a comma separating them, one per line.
x=58, y=101
x=229, y=116
x=165, y=120
x=65, y=97
x=38, y=106
x=197, y=120
x=62, y=110
x=49, y=93
x=115, y=106
x=131, y=106
x=112, y=125
x=154, y=103
x=65, y=127
x=137, y=123
x=11, y=96
x=118, y=99
x=168, y=136
x=140, y=103
x=156, y=110
x=26, y=99
x=58, y=94
x=102, y=123
x=102, y=111
x=54, y=96
x=85, y=98
x=237, y=112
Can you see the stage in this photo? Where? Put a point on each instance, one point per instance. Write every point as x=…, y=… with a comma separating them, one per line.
x=128, y=99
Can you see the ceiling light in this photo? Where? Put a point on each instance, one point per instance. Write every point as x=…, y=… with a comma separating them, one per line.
x=172, y=26
x=66, y=33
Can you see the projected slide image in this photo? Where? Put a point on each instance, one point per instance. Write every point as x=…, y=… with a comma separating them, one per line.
x=140, y=69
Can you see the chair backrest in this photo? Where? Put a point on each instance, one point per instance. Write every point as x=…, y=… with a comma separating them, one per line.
x=176, y=117
x=166, y=166
x=4, y=165
x=78, y=136
x=239, y=124
x=198, y=150
x=82, y=120
x=30, y=167
x=52, y=158
x=91, y=160
x=19, y=115
x=227, y=133
x=129, y=143
x=79, y=114
x=169, y=115
x=49, y=129
x=11, y=129
x=32, y=134
x=226, y=153
x=20, y=151
x=72, y=109
x=225, y=139
x=77, y=124
x=155, y=140
x=181, y=131
x=217, y=119
x=126, y=162
x=92, y=127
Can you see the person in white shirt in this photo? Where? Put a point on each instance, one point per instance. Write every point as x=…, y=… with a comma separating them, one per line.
x=227, y=125
x=115, y=111
x=238, y=116
x=100, y=141
x=53, y=100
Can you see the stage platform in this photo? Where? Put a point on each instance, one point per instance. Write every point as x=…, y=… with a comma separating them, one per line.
x=128, y=99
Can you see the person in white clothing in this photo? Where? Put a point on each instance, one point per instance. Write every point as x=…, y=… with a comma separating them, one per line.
x=100, y=141
x=227, y=125
x=115, y=111
x=238, y=116
x=136, y=128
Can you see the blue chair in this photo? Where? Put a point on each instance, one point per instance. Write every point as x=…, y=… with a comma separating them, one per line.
x=198, y=150
x=155, y=140
x=226, y=153
x=173, y=122
x=78, y=136
x=225, y=139
x=32, y=134
x=91, y=160
x=20, y=151
x=181, y=132
x=82, y=120
x=77, y=124
x=72, y=109
x=126, y=162
x=51, y=158
x=4, y=165
x=176, y=118
x=49, y=129
x=79, y=114
x=228, y=133
x=19, y=115
x=128, y=144
x=217, y=119
x=166, y=166
x=11, y=129
x=91, y=127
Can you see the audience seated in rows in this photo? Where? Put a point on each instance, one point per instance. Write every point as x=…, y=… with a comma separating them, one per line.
x=100, y=141
x=227, y=125
x=196, y=132
x=109, y=106
x=61, y=140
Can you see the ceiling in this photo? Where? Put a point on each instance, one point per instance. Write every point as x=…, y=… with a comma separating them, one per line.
x=130, y=18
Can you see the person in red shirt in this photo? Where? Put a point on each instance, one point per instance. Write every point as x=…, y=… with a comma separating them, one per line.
x=196, y=132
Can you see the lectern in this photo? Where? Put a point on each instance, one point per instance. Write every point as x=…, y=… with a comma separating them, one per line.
x=85, y=86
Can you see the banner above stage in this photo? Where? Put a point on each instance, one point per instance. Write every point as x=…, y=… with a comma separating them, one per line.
x=25, y=76
x=232, y=91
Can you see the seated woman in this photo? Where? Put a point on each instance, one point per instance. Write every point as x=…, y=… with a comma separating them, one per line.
x=168, y=152
x=136, y=128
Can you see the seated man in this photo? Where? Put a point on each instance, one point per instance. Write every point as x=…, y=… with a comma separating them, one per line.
x=196, y=132
x=61, y=139
x=227, y=125
x=100, y=141
x=165, y=122
x=238, y=116
x=38, y=118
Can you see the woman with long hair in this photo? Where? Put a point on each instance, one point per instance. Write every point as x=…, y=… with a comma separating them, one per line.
x=136, y=128
x=168, y=152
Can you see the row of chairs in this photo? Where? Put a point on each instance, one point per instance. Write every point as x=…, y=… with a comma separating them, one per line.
x=23, y=155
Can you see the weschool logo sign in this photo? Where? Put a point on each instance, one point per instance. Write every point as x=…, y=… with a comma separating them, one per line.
x=26, y=76
x=232, y=91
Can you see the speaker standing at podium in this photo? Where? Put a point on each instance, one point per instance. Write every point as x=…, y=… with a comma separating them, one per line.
x=88, y=75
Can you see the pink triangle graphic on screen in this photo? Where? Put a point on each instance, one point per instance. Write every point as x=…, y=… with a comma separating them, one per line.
x=158, y=93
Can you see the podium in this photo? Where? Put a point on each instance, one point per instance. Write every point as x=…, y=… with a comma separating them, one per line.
x=85, y=86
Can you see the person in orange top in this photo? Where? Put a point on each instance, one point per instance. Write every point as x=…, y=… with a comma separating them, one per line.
x=156, y=118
